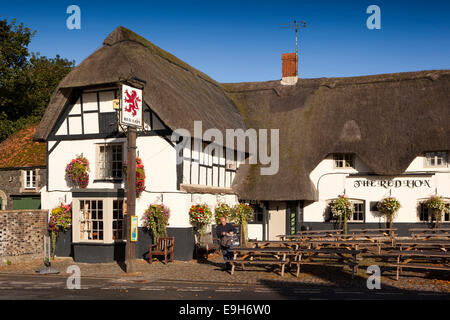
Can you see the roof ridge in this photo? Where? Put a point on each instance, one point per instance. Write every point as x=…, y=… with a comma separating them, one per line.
x=340, y=81
x=122, y=34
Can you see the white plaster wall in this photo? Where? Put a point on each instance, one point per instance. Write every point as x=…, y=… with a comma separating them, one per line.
x=332, y=182
x=255, y=231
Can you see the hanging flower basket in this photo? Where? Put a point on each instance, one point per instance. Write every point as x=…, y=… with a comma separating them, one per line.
x=140, y=176
x=60, y=220
x=222, y=210
x=241, y=214
x=78, y=171
x=436, y=206
x=200, y=216
x=342, y=210
x=156, y=219
x=389, y=206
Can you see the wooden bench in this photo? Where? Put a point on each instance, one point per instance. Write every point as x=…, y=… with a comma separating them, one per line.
x=430, y=233
x=164, y=246
x=410, y=245
x=327, y=257
x=261, y=256
x=424, y=259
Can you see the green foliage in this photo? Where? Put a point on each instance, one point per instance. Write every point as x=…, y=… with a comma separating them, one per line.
x=60, y=220
x=156, y=219
x=200, y=216
x=241, y=214
x=222, y=210
x=342, y=210
x=27, y=81
x=436, y=206
x=389, y=206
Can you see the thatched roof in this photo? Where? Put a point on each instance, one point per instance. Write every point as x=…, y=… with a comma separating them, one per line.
x=177, y=92
x=386, y=120
x=20, y=150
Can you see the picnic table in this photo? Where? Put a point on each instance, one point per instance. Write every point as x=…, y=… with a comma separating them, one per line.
x=365, y=234
x=327, y=257
x=296, y=237
x=332, y=231
x=434, y=260
x=429, y=233
x=383, y=231
x=263, y=256
x=409, y=245
x=284, y=255
x=347, y=244
x=275, y=243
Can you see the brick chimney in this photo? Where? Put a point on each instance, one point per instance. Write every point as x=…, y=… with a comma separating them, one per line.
x=289, y=68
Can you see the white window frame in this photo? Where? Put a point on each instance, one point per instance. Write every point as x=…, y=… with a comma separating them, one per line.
x=33, y=179
x=432, y=158
x=122, y=221
x=359, y=202
x=106, y=164
x=107, y=220
x=347, y=160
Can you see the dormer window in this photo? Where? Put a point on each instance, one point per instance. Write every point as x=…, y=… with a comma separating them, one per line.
x=436, y=159
x=343, y=160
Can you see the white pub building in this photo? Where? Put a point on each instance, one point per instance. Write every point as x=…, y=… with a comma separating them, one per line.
x=365, y=137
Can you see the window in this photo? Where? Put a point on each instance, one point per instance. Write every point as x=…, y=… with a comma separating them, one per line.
x=109, y=161
x=117, y=221
x=423, y=213
x=91, y=222
x=343, y=160
x=30, y=179
x=258, y=213
x=436, y=159
x=358, y=212
x=425, y=216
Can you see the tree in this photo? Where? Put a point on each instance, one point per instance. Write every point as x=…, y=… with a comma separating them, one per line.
x=27, y=81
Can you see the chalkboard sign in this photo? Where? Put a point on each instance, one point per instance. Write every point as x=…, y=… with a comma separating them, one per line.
x=236, y=235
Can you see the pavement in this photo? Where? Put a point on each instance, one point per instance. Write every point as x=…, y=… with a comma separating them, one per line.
x=205, y=280
x=51, y=287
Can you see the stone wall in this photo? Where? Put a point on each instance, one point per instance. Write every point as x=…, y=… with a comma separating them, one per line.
x=11, y=183
x=22, y=231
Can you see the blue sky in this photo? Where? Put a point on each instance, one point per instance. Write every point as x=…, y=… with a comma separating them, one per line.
x=235, y=41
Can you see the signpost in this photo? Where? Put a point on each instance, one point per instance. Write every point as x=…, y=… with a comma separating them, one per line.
x=131, y=117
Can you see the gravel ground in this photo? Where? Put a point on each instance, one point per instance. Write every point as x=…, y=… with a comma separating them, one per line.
x=211, y=270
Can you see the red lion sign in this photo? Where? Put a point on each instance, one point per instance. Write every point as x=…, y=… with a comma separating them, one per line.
x=132, y=100
x=131, y=104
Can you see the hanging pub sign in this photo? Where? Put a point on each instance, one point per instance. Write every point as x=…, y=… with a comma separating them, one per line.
x=131, y=107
